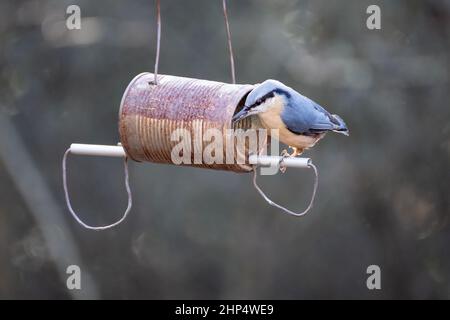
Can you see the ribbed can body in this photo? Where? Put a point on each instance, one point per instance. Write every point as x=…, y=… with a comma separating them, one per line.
x=150, y=114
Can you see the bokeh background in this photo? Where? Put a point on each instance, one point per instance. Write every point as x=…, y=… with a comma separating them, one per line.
x=384, y=191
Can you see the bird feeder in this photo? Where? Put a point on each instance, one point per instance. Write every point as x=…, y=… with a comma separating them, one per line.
x=149, y=113
x=155, y=106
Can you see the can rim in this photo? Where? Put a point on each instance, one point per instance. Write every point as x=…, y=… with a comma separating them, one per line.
x=128, y=89
x=122, y=101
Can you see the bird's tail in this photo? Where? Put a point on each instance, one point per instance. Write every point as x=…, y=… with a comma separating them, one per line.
x=340, y=127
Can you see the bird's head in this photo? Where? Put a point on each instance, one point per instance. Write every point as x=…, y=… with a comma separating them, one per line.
x=262, y=97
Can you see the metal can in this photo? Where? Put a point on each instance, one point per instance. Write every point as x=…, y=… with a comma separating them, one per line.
x=150, y=114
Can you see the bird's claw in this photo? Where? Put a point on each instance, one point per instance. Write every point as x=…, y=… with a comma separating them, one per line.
x=284, y=154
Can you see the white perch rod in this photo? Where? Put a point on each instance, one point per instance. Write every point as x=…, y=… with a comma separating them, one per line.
x=275, y=160
x=97, y=150
x=118, y=151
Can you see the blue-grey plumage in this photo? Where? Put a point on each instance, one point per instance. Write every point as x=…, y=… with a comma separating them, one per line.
x=301, y=122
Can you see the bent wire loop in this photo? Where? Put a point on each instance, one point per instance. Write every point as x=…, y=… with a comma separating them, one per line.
x=272, y=203
x=74, y=214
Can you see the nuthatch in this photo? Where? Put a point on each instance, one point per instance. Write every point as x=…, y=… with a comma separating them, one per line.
x=301, y=122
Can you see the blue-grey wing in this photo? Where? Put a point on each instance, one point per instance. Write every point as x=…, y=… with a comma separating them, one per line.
x=304, y=116
x=294, y=122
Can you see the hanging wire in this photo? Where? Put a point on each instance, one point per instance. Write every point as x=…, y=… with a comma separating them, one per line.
x=230, y=47
x=158, y=40
x=66, y=193
x=270, y=202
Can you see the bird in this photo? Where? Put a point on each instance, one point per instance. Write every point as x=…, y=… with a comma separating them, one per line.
x=301, y=121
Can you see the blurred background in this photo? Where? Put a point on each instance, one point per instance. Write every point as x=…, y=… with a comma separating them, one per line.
x=383, y=195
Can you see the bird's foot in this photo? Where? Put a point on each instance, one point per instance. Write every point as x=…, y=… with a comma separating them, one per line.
x=295, y=152
x=284, y=154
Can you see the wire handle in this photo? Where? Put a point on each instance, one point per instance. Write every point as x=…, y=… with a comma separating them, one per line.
x=158, y=41
x=258, y=161
x=230, y=47
x=96, y=150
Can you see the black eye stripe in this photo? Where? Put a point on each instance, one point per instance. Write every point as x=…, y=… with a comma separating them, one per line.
x=269, y=95
x=265, y=97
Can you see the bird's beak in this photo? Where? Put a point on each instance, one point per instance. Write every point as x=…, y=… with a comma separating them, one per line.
x=241, y=114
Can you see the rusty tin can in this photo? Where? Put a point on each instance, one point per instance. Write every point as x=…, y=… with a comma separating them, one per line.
x=149, y=114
